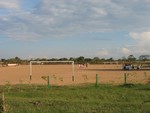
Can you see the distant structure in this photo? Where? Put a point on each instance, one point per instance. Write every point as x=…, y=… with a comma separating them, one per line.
x=12, y=65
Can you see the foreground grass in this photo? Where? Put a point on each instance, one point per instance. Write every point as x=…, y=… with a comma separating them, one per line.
x=77, y=99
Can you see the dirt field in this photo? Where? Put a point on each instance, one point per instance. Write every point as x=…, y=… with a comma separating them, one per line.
x=62, y=74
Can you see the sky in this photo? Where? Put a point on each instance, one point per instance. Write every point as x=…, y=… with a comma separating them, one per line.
x=73, y=28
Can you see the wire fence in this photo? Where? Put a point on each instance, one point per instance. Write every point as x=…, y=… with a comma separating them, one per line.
x=97, y=79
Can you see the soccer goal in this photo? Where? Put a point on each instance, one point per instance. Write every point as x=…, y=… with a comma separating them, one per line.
x=41, y=62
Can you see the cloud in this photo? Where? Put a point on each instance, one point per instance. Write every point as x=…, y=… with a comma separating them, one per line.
x=63, y=18
x=126, y=51
x=9, y=4
x=102, y=53
x=142, y=38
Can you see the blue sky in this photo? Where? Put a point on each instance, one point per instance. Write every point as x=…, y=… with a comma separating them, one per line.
x=72, y=28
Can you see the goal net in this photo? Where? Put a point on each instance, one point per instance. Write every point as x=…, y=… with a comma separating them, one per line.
x=52, y=68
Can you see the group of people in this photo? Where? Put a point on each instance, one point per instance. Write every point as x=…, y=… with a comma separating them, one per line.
x=131, y=67
x=83, y=65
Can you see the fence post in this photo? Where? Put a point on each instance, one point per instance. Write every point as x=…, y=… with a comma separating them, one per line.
x=30, y=77
x=73, y=78
x=3, y=109
x=96, y=84
x=125, y=78
x=48, y=81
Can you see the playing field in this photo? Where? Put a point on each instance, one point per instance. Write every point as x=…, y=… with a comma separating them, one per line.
x=62, y=74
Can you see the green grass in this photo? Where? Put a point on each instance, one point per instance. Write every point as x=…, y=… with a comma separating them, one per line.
x=77, y=99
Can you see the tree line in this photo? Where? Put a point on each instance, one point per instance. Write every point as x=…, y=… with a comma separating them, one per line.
x=81, y=59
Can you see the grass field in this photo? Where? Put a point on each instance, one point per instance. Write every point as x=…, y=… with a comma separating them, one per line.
x=87, y=98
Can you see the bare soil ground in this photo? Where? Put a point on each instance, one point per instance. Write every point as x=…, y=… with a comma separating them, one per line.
x=62, y=74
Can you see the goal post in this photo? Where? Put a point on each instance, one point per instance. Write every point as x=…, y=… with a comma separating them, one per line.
x=72, y=62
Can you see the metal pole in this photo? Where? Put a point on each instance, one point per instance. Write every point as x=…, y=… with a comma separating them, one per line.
x=51, y=61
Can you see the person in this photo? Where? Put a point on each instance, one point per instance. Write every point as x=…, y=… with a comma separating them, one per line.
x=79, y=65
x=138, y=67
x=86, y=64
x=132, y=66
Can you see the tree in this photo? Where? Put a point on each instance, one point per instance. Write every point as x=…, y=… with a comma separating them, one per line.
x=53, y=59
x=110, y=59
x=144, y=57
x=17, y=60
x=131, y=58
x=71, y=58
x=63, y=59
x=88, y=60
x=3, y=60
x=96, y=60
x=80, y=59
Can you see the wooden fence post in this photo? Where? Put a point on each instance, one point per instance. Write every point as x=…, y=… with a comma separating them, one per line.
x=48, y=81
x=125, y=78
x=96, y=84
x=3, y=108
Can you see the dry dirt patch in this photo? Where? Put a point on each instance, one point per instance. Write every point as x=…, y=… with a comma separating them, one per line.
x=62, y=74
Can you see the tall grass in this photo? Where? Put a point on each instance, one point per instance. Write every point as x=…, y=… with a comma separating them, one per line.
x=127, y=98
